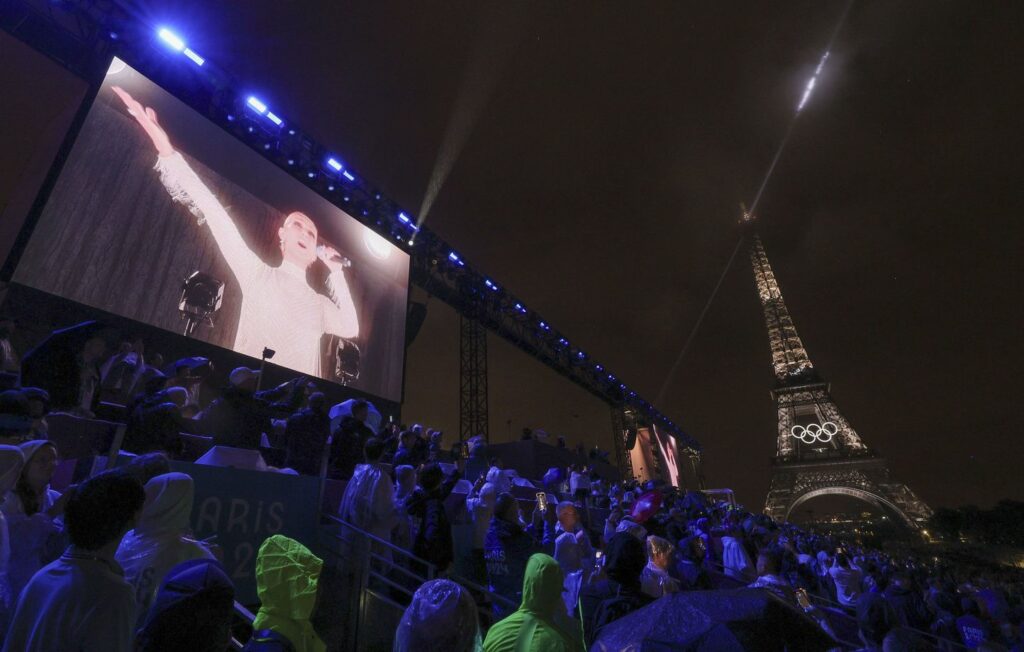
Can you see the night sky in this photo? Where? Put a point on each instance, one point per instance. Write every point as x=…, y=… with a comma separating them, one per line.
x=602, y=179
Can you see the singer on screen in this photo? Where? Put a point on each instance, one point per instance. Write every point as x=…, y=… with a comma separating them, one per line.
x=279, y=309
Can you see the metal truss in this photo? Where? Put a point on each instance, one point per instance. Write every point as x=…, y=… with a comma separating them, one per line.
x=111, y=26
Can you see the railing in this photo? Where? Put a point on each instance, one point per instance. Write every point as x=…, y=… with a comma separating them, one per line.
x=381, y=579
x=247, y=617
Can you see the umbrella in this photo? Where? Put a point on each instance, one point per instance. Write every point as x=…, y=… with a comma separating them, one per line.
x=193, y=364
x=344, y=409
x=718, y=621
x=646, y=506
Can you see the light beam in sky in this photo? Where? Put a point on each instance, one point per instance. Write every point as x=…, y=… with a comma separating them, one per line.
x=757, y=199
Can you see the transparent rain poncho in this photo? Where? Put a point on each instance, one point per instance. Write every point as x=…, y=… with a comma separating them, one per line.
x=442, y=616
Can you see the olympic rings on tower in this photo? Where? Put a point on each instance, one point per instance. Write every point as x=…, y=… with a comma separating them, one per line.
x=815, y=433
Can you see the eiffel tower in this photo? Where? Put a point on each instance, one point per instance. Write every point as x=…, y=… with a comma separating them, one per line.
x=818, y=452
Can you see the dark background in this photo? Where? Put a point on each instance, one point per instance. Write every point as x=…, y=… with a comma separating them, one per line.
x=601, y=184
x=111, y=237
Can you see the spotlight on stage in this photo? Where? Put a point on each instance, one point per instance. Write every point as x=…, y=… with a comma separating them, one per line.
x=201, y=297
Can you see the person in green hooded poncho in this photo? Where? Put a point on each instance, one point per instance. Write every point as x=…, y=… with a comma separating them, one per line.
x=532, y=627
x=287, y=575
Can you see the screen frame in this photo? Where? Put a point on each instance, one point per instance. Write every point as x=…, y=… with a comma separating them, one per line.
x=56, y=169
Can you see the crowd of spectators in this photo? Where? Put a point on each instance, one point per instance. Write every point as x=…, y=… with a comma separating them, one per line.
x=111, y=564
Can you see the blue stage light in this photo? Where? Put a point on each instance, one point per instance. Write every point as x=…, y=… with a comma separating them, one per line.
x=256, y=105
x=599, y=367
x=404, y=219
x=563, y=341
x=454, y=257
x=581, y=355
x=521, y=308
x=191, y=54
x=544, y=326
x=491, y=285
x=330, y=187
x=334, y=164
x=273, y=118
x=291, y=161
x=171, y=39
x=348, y=176
x=311, y=174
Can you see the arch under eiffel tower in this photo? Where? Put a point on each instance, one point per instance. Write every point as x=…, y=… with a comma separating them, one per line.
x=818, y=452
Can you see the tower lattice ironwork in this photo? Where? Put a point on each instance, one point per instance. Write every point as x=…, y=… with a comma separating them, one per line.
x=818, y=452
x=473, y=419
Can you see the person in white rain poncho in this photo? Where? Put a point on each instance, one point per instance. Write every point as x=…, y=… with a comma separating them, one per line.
x=369, y=500
x=32, y=511
x=161, y=539
x=11, y=461
x=279, y=308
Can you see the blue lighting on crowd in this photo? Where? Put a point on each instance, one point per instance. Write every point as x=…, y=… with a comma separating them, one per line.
x=198, y=60
x=348, y=176
x=334, y=164
x=171, y=39
x=273, y=118
x=256, y=105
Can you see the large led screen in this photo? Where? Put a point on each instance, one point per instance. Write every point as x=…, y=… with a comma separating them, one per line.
x=162, y=217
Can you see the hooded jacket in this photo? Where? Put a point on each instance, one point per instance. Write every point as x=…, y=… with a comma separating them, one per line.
x=535, y=618
x=621, y=594
x=434, y=536
x=441, y=616
x=287, y=575
x=369, y=501
x=160, y=540
x=35, y=539
x=11, y=462
x=507, y=549
x=192, y=610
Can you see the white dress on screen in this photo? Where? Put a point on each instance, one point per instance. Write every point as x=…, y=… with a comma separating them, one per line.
x=279, y=308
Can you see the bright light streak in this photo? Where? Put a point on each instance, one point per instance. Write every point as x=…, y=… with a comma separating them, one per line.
x=273, y=118
x=256, y=105
x=191, y=54
x=334, y=164
x=348, y=176
x=171, y=39
x=811, y=82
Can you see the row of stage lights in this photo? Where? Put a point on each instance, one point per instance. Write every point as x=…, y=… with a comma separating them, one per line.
x=334, y=175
